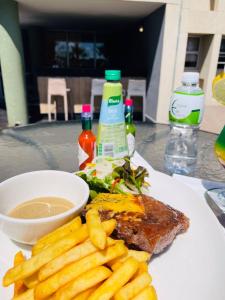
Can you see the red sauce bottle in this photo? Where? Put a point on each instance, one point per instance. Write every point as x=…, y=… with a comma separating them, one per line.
x=86, y=140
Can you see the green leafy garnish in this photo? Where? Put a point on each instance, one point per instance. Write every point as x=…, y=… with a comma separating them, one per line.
x=119, y=178
x=133, y=178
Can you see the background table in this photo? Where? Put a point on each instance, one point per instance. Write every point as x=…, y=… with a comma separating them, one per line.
x=54, y=146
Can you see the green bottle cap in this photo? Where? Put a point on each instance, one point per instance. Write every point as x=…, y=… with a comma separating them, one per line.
x=113, y=75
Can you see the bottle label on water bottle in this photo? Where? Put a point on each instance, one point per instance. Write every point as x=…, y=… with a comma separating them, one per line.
x=186, y=108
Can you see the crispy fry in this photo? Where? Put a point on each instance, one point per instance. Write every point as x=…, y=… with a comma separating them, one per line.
x=95, y=229
x=84, y=295
x=83, y=282
x=116, y=265
x=114, y=283
x=56, y=235
x=28, y=295
x=19, y=286
x=70, y=256
x=142, y=268
x=147, y=293
x=140, y=256
x=33, y=264
x=134, y=287
x=31, y=281
x=53, y=283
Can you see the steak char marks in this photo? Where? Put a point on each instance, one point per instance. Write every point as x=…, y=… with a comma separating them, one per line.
x=153, y=230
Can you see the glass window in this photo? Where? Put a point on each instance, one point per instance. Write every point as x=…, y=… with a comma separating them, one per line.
x=102, y=50
x=75, y=50
x=222, y=46
x=193, y=44
x=100, y=55
x=60, y=54
x=191, y=60
x=56, y=53
x=221, y=60
x=81, y=50
x=192, y=52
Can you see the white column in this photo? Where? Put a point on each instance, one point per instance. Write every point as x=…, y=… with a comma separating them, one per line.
x=180, y=59
x=12, y=65
x=209, y=67
x=168, y=63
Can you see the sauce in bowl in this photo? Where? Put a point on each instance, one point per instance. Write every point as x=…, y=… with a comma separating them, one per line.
x=41, y=207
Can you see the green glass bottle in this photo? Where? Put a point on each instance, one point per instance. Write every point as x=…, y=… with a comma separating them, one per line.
x=130, y=127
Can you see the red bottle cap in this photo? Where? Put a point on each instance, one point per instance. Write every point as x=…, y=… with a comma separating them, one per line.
x=86, y=108
x=129, y=102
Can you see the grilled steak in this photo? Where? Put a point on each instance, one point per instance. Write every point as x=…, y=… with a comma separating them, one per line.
x=144, y=223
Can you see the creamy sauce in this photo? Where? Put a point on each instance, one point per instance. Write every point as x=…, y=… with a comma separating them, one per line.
x=41, y=208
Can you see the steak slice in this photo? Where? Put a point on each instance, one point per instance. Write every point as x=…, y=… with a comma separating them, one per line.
x=151, y=231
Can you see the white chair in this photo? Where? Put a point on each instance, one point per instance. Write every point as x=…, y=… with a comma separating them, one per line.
x=57, y=87
x=96, y=90
x=137, y=87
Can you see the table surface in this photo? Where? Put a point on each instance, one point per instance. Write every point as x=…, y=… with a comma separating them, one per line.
x=54, y=146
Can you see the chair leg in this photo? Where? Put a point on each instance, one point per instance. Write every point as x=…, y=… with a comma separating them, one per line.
x=92, y=103
x=55, y=114
x=65, y=107
x=49, y=108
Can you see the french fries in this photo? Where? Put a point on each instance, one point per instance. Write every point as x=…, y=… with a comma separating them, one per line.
x=28, y=295
x=143, y=267
x=95, y=229
x=19, y=286
x=84, y=295
x=56, y=235
x=33, y=264
x=134, y=287
x=31, y=281
x=85, y=281
x=53, y=283
x=81, y=262
x=75, y=254
x=147, y=293
x=140, y=256
x=120, y=277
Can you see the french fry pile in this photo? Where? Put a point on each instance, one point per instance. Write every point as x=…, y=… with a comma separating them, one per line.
x=80, y=261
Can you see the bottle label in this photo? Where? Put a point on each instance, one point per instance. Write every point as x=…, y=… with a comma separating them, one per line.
x=130, y=143
x=186, y=108
x=111, y=139
x=114, y=100
x=82, y=155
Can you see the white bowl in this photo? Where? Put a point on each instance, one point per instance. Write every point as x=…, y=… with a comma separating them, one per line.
x=36, y=184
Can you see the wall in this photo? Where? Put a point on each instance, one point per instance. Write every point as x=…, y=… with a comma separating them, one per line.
x=168, y=61
x=153, y=34
x=203, y=5
x=197, y=17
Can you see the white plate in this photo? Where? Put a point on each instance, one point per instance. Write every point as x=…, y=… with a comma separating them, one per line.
x=192, y=268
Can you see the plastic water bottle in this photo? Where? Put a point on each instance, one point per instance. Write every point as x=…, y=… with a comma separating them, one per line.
x=185, y=115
